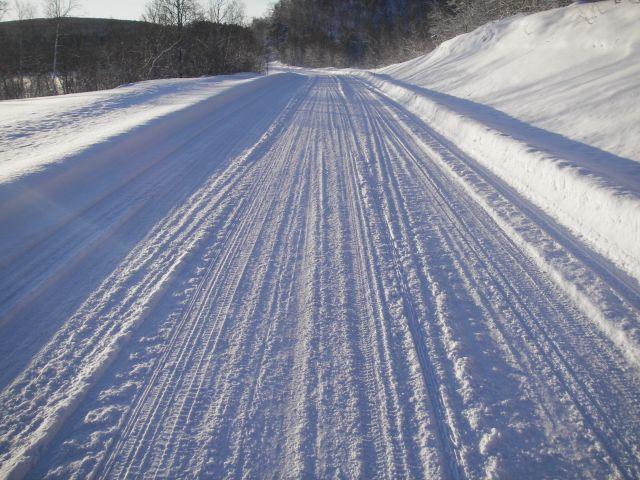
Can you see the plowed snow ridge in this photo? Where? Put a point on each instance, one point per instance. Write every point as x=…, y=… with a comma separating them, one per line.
x=297, y=277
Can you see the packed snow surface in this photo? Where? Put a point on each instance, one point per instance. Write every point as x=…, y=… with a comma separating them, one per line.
x=550, y=104
x=304, y=275
x=573, y=71
x=40, y=131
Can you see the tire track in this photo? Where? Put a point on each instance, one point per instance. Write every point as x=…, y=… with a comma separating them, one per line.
x=214, y=277
x=351, y=309
x=546, y=348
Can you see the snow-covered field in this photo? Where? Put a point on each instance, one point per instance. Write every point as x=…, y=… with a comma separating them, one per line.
x=322, y=274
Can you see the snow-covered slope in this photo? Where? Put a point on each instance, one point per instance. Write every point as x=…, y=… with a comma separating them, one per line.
x=313, y=274
x=296, y=277
x=574, y=71
x=38, y=132
x=549, y=103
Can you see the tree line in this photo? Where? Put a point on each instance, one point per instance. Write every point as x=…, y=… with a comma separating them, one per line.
x=175, y=38
x=368, y=33
x=186, y=38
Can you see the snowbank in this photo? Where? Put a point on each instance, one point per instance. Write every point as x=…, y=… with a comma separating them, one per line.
x=62, y=154
x=574, y=71
x=549, y=103
x=38, y=132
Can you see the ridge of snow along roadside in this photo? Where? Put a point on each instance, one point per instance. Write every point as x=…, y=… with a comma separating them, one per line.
x=36, y=133
x=569, y=175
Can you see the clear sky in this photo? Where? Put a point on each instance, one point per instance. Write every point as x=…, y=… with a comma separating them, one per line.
x=132, y=9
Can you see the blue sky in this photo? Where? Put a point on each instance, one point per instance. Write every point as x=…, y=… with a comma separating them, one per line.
x=132, y=9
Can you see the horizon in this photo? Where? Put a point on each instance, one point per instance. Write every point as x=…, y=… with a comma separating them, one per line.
x=133, y=9
x=352, y=239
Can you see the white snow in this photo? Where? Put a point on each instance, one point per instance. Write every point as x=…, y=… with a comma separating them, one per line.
x=573, y=71
x=330, y=274
x=37, y=132
x=550, y=104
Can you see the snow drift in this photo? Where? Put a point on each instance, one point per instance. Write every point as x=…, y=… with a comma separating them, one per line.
x=549, y=103
x=573, y=71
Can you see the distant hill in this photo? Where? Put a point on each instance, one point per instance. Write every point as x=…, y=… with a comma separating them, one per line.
x=75, y=25
x=97, y=53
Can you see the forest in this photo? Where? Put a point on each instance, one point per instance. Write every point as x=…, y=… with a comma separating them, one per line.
x=371, y=33
x=186, y=38
x=175, y=38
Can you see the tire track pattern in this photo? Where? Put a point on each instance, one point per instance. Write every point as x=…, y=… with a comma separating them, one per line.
x=350, y=311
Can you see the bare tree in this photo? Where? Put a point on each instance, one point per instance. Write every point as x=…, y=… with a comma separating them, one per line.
x=177, y=13
x=58, y=10
x=215, y=10
x=24, y=9
x=226, y=11
x=453, y=17
x=236, y=13
x=4, y=8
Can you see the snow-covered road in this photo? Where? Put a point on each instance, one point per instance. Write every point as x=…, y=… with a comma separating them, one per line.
x=298, y=278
